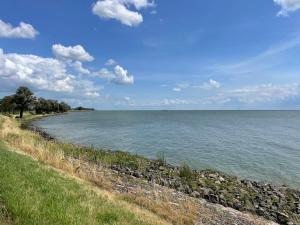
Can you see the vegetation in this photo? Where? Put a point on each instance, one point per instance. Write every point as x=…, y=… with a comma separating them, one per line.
x=36, y=194
x=187, y=173
x=161, y=158
x=24, y=100
x=80, y=108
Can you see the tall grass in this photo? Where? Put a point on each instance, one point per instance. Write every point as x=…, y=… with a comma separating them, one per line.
x=161, y=158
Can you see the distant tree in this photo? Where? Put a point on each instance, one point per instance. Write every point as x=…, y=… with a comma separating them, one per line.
x=64, y=107
x=23, y=98
x=42, y=105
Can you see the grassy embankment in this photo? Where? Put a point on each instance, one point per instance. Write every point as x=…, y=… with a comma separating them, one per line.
x=34, y=193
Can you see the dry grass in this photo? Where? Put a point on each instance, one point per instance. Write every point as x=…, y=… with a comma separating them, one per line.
x=184, y=213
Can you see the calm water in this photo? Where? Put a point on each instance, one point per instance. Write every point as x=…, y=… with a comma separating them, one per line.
x=261, y=145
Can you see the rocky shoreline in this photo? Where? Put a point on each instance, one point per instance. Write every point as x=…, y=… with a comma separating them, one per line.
x=273, y=202
x=277, y=203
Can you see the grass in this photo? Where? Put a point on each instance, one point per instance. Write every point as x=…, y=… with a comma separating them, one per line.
x=161, y=158
x=36, y=194
x=187, y=173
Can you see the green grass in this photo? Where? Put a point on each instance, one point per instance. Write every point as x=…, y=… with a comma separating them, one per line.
x=36, y=194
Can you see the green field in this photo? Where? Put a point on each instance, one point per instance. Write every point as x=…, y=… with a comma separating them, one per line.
x=33, y=193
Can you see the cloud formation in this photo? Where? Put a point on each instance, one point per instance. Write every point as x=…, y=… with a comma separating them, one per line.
x=46, y=74
x=287, y=6
x=73, y=53
x=24, y=30
x=211, y=84
x=120, y=10
x=247, y=95
x=110, y=62
x=118, y=76
x=264, y=93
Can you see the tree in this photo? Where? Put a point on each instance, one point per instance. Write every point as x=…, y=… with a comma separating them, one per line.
x=7, y=104
x=23, y=98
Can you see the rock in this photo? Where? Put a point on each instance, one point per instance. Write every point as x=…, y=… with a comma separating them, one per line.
x=195, y=194
x=180, y=188
x=221, y=179
x=200, y=183
x=213, y=198
x=260, y=211
x=161, y=168
x=282, y=217
x=205, y=191
x=137, y=174
x=212, y=176
x=187, y=189
x=218, y=182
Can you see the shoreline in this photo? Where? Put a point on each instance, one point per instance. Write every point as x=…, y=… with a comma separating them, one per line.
x=278, y=203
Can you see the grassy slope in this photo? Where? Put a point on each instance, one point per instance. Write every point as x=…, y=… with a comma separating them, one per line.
x=35, y=194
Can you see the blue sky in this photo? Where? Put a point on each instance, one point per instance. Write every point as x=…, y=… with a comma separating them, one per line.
x=140, y=54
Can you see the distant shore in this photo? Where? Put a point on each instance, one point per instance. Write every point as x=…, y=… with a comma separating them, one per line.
x=278, y=203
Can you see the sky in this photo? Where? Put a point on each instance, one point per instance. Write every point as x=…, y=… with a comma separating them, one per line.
x=161, y=54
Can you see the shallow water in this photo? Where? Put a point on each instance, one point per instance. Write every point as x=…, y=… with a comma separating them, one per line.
x=260, y=145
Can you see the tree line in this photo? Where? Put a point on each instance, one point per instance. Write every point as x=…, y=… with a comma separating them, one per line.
x=24, y=100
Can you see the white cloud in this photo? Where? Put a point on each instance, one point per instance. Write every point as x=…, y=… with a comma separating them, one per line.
x=177, y=89
x=120, y=10
x=175, y=101
x=118, y=76
x=181, y=86
x=287, y=6
x=105, y=73
x=24, y=30
x=211, y=84
x=46, y=74
x=79, y=68
x=248, y=95
x=122, y=76
x=110, y=62
x=264, y=93
x=73, y=53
